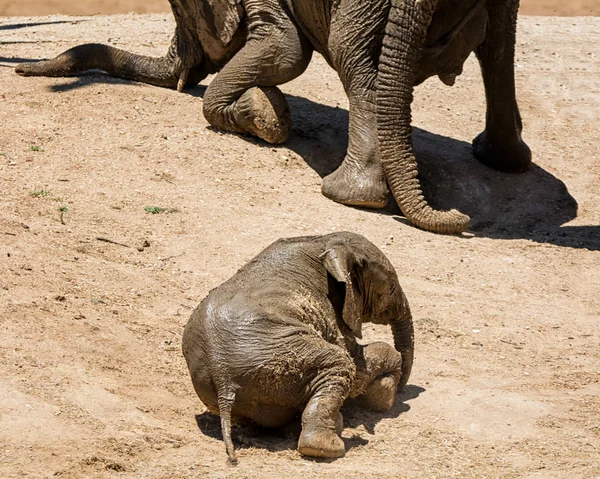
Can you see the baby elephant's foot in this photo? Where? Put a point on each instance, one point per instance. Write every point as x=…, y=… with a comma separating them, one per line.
x=507, y=157
x=380, y=393
x=320, y=442
x=294, y=428
x=264, y=112
x=357, y=186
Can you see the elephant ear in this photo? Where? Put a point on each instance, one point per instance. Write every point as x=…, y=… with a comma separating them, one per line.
x=227, y=16
x=343, y=265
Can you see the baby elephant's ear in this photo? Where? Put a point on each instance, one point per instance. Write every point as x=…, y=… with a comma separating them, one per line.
x=227, y=16
x=342, y=265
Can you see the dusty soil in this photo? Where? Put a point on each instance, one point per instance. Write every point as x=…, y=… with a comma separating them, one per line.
x=92, y=379
x=108, y=7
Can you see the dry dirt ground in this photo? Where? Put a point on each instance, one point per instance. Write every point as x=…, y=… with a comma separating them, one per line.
x=107, y=7
x=92, y=379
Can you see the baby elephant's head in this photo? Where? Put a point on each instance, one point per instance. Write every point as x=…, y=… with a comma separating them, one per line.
x=372, y=292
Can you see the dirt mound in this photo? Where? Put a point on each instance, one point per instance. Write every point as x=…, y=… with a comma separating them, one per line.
x=120, y=209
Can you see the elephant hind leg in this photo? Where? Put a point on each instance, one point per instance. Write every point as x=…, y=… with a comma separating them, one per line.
x=301, y=373
x=500, y=146
x=321, y=419
x=243, y=97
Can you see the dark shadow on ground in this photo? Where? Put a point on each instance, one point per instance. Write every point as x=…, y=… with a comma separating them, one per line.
x=16, y=26
x=534, y=205
x=249, y=434
x=89, y=78
x=15, y=60
x=95, y=77
x=355, y=416
x=26, y=42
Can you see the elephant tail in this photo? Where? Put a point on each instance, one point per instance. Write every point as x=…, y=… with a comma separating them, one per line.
x=225, y=405
x=165, y=71
x=405, y=35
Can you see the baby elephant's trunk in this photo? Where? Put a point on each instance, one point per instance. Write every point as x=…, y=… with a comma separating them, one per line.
x=159, y=71
x=404, y=341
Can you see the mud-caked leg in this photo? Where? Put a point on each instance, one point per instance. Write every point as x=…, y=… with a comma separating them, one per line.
x=500, y=145
x=321, y=417
x=378, y=372
x=360, y=179
x=243, y=97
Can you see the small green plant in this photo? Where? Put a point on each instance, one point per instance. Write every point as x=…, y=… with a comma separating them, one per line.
x=155, y=210
x=36, y=148
x=62, y=210
x=41, y=192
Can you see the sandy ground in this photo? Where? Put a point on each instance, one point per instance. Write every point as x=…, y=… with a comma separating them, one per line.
x=107, y=7
x=92, y=379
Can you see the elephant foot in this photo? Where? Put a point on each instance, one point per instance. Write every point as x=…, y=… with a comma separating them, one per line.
x=508, y=158
x=380, y=393
x=264, y=112
x=354, y=186
x=320, y=442
x=294, y=428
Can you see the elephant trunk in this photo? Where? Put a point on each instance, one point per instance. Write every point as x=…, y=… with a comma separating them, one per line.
x=404, y=340
x=159, y=71
x=404, y=38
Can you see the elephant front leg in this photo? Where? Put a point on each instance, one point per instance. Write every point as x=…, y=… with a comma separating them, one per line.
x=378, y=372
x=243, y=97
x=500, y=146
x=360, y=179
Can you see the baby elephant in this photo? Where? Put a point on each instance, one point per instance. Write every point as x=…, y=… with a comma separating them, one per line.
x=278, y=339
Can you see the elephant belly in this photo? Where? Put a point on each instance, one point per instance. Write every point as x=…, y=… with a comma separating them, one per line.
x=266, y=414
x=446, y=59
x=313, y=18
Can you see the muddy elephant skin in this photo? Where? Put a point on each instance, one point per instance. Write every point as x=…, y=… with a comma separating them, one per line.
x=380, y=49
x=279, y=339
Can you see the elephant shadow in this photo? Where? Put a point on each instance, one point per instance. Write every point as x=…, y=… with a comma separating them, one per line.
x=533, y=206
x=9, y=62
x=355, y=416
x=248, y=434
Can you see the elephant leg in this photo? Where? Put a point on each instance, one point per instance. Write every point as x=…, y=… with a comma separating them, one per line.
x=360, y=179
x=243, y=97
x=378, y=372
x=280, y=371
x=500, y=146
x=321, y=419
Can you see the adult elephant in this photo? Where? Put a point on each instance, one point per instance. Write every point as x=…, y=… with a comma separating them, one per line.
x=381, y=49
x=279, y=339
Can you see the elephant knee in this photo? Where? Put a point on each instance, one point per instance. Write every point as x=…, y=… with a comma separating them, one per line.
x=214, y=109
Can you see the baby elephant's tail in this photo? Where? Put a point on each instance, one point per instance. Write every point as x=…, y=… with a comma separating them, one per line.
x=225, y=405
